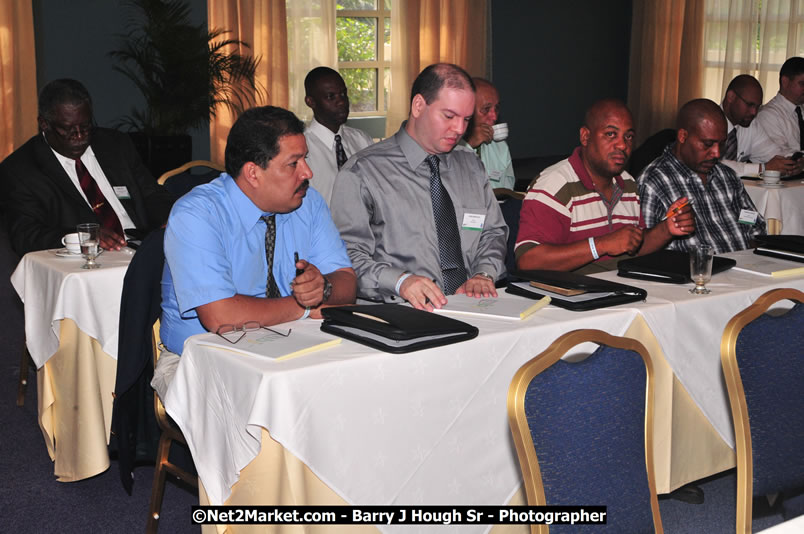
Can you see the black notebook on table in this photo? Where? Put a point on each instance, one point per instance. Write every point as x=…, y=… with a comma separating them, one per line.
x=668, y=266
x=394, y=327
x=788, y=247
x=573, y=291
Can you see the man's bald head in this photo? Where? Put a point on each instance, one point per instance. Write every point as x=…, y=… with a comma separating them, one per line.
x=742, y=100
x=607, y=138
x=701, y=135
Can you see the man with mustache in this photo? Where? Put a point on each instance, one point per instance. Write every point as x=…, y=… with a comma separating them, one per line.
x=583, y=212
x=73, y=172
x=419, y=219
x=255, y=244
x=725, y=216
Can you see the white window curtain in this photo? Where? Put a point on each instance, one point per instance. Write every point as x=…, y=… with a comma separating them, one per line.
x=311, y=43
x=750, y=37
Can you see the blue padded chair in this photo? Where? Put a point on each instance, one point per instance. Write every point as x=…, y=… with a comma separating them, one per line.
x=182, y=179
x=763, y=363
x=582, y=435
x=510, y=206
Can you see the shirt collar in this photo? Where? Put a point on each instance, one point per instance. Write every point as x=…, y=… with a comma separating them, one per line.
x=248, y=212
x=413, y=152
x=64, y=160
x=325, y=134
x=576, y=162
x=786, y=104
x=690, y=174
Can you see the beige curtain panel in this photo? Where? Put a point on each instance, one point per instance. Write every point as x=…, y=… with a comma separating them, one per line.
x=18, y=93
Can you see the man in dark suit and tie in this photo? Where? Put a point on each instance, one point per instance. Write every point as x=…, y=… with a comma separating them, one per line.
x=73, y=172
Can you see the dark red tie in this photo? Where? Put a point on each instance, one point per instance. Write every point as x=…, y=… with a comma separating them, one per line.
x=105, y=213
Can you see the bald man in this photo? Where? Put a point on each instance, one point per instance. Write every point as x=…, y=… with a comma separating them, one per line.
x=480, y=136
x=725, y=216
x=740, y=105
x=584, y=211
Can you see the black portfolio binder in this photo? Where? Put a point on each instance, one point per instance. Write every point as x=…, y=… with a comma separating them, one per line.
x=788, y=247
x=573, y=291
x=394, y=327
x=669, y=266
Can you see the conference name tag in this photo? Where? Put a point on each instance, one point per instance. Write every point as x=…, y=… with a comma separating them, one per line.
x=121, y=192
x=473, y=221
x=748, y=217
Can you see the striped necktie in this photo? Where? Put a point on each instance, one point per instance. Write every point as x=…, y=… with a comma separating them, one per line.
x=103, y=211
x=449, y=240
x=730, y=150
x=271, y=289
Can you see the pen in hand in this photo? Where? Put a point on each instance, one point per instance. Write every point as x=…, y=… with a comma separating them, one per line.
x=674, y=211
x=295, y=261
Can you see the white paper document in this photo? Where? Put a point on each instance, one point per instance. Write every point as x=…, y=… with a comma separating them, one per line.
x=503, y=306
x=272, y=345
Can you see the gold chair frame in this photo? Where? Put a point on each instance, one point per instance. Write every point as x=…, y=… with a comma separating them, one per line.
x=517, y=419
x=739, y=409
x=170, y=433
x=189, y=165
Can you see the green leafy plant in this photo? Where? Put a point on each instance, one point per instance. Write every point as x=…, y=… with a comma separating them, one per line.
x=182, y=70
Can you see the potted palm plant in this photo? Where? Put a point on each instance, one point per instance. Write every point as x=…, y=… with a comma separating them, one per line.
x=183, y=71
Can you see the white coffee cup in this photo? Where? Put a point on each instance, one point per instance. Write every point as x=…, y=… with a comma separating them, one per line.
x=771, y=177
x=72, y=243
x=500, y=131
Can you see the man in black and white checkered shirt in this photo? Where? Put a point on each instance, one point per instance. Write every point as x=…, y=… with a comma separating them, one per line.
x=725, y=216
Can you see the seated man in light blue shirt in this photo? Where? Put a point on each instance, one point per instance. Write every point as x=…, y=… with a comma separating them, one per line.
x=480, y=137
x=217, y=268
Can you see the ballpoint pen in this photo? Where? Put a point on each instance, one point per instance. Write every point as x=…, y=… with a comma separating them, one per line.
x=295, y=261
x=674, y=211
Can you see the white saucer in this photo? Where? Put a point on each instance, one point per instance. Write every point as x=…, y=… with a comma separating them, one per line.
x=772, y=186
x=64, y=253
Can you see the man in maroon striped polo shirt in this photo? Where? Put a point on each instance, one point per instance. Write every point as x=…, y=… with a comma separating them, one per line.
x=584, y=210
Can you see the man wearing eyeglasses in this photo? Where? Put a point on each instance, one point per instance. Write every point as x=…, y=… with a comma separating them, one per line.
x=253, y=248
x=73, y=172
x=740, y=105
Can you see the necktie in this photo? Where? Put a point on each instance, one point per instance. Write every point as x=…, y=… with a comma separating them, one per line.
x=730, y=151
x=271, y=290
x=449, y=241
x=103, y=211
x=340, y=154
x=800, y=128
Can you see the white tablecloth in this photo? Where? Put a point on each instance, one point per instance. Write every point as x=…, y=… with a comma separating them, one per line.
x=425, y=427
x=55, y=288
x=689, y=328
x=785, y=203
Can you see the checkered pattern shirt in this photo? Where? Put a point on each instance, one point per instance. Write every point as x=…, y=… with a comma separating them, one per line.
x=717, y=204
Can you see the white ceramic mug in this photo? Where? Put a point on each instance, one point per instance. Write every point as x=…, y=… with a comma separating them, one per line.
x=500, y=131
x=72, y=243
x=771, y=177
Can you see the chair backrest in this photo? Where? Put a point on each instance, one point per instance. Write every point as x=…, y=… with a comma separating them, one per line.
x=763, y=364
x=182, y=180
x=583, y=431
x=510, y=208
x=649, y=150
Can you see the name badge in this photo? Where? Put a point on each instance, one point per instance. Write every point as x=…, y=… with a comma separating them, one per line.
x=121, y=192
x=473, y=221
x=748, y=217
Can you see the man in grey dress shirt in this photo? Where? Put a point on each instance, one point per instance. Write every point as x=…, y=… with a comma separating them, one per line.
x=383, y=208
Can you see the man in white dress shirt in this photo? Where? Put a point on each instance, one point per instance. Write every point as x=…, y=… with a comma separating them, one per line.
x=329, y=141
x=781, y=118
x=740, y=105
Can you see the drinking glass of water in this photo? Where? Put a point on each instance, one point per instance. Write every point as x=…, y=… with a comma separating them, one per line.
x=701, y=267
x=88, y=236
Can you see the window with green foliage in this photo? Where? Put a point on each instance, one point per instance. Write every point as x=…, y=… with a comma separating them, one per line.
x=363, y=31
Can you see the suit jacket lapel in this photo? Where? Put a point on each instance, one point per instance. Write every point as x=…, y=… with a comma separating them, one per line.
x=51, y=168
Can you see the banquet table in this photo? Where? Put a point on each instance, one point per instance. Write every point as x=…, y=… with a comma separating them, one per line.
x=782, y=207
x=71, y=324
x=353, y=425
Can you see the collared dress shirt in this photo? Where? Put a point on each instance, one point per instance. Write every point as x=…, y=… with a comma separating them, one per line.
x=91, y=163
x=383, y=209
x=717, y=205
x=779, y=124
x=215, y=249
x=746, y=163
x=562, y=206
x=496, y=157
x=321, y=153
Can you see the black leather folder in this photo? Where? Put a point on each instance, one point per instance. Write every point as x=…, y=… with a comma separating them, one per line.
x=394, y=327
x=573, y=291
x=668, y=266
x=788, y=247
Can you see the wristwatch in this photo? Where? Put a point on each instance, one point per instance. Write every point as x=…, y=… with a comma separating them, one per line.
x=485, y=274
x=327, y=289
